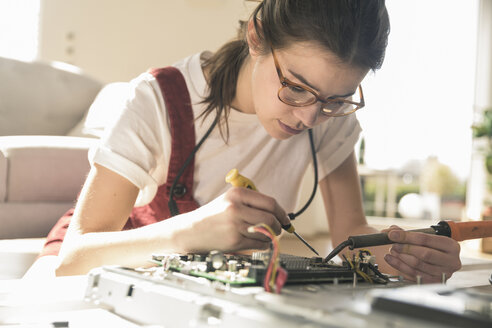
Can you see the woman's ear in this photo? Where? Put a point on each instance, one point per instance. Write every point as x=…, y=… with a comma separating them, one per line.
x=254, y=43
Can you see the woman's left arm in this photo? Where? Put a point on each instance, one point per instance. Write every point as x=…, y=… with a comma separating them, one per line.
x=414, y=254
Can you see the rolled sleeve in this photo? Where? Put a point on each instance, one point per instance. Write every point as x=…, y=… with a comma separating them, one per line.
x=127, y=169
x=136, y=142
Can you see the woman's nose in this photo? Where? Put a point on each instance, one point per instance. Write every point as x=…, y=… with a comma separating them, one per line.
x=308, y=115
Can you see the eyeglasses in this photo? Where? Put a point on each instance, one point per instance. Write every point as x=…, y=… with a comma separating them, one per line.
x=298, y=95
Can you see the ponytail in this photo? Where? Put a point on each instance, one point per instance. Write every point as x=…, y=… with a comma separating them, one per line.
x=223, y=69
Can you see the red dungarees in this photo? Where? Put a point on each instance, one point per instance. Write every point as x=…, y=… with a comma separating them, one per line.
x=178, y=105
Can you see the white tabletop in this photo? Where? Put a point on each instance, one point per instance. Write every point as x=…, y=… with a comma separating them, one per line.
x=40, y=302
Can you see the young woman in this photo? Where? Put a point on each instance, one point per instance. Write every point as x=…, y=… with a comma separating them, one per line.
x=293, y=74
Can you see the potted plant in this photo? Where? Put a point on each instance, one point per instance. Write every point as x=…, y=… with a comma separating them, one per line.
x=484, y=130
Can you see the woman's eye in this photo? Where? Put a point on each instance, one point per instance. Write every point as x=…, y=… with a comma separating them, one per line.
x=296, y=89
x=333, y=107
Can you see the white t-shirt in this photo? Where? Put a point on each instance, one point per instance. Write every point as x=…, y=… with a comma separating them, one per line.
x=137, y=145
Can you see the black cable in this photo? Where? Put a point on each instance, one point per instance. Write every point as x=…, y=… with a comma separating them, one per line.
x=173, y=207
x=377, y=272
x=292, y=216
x=337, y=250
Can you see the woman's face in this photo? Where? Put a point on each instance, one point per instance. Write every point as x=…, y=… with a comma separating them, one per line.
x=303, y=63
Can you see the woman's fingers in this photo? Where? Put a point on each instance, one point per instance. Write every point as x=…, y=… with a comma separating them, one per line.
x=258, y=208
x=248, y=240
x=441, y=243
x=393, y=227
x=411, y=273
x=243, y=231
x=425, y=255
x=223, y=223
x=418, y=264
x=253, y=216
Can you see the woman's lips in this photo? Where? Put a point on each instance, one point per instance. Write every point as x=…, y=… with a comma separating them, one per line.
x=288, y=129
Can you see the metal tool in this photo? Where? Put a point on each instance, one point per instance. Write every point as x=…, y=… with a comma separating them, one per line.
x=237, y=180
x=459, y=231
x=290, y=228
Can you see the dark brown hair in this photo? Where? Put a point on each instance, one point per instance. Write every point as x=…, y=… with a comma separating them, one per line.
x=354, y=30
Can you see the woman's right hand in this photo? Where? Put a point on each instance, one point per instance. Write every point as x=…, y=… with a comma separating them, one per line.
x=223, y=223
x=94, y=237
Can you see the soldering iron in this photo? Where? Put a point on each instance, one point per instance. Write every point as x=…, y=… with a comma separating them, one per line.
x=459, y=231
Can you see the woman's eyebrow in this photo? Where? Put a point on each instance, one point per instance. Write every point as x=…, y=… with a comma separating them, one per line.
x=303, y=80
x=343, y=96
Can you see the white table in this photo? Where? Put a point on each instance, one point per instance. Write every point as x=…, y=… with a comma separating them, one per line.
x=39, y=303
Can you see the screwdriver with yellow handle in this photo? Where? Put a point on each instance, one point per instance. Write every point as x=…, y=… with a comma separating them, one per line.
x=459, y=231
x=237, y=180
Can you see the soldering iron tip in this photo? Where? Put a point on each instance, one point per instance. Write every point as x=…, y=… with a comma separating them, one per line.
x=337, y=250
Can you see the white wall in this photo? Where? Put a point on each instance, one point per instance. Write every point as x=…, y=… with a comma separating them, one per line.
x=19, y=29
x=116, y=40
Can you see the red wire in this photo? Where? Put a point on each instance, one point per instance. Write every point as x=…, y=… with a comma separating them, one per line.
x=266, y=281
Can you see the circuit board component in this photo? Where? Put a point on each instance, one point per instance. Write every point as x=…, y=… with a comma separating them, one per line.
x=246, y=270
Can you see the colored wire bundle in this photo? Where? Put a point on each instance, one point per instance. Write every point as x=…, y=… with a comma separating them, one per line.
x=275, y=276
x=355, y=266
x=371, y=266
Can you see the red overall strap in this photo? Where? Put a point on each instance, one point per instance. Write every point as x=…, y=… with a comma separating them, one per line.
x=178, y=105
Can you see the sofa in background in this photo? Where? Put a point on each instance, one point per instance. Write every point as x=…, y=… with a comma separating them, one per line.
x=43, y=152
